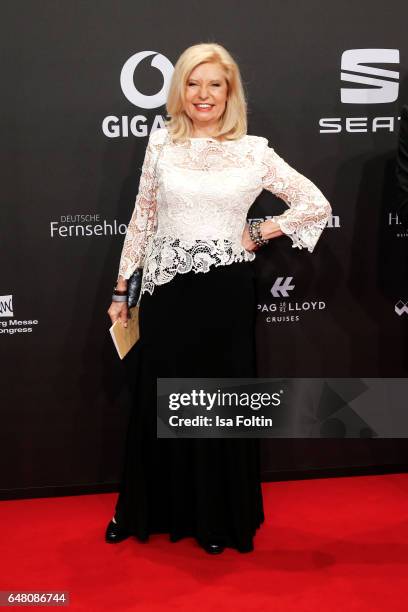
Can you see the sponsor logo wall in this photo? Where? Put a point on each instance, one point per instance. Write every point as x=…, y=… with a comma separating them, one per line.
x=76, y=129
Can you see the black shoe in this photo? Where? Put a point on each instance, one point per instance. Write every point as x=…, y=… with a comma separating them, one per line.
x=115, y=534
x=213, y=548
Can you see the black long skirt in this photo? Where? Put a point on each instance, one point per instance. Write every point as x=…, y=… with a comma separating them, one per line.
x=197, y=325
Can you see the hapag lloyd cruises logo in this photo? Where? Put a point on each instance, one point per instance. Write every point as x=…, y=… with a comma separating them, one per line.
x=287, y=311
x=13, y=326
x=114, y=126
x=380, y=87
x=282, y=286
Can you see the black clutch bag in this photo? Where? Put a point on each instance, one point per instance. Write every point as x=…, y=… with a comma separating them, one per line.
x=134, y=285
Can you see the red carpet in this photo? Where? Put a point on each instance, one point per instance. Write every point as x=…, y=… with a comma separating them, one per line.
x=327, y=544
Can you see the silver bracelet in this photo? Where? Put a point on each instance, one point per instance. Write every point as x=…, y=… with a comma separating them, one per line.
x=255, y=233
x=119, y=298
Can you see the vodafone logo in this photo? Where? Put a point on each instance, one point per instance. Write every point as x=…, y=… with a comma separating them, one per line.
x=159, y=62
x=114, y=126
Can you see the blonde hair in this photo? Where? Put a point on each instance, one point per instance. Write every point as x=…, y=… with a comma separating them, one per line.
x=233, y=122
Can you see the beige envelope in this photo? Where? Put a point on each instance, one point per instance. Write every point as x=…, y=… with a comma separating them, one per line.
x=126, y=337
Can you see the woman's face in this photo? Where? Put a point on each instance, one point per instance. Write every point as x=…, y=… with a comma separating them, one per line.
x=206, y=94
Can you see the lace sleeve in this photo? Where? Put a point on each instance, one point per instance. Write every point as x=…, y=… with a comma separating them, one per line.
x=143, y=220
x=308, y=210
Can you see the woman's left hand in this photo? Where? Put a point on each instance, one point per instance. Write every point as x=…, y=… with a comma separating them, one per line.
x=247, y=242
x=269, y=229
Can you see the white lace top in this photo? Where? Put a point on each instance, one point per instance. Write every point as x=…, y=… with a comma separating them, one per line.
x=191, y=209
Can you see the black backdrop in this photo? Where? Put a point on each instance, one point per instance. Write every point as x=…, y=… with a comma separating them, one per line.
x=72, y=144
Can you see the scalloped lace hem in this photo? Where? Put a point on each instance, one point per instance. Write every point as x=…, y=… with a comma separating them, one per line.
x=166, y=258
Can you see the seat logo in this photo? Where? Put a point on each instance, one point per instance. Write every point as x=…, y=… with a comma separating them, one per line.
x=381, y=85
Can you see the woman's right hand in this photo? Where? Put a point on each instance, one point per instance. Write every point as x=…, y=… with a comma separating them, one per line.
x=119, y=311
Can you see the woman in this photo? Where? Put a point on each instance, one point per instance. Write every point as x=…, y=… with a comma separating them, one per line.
x=200, y=175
